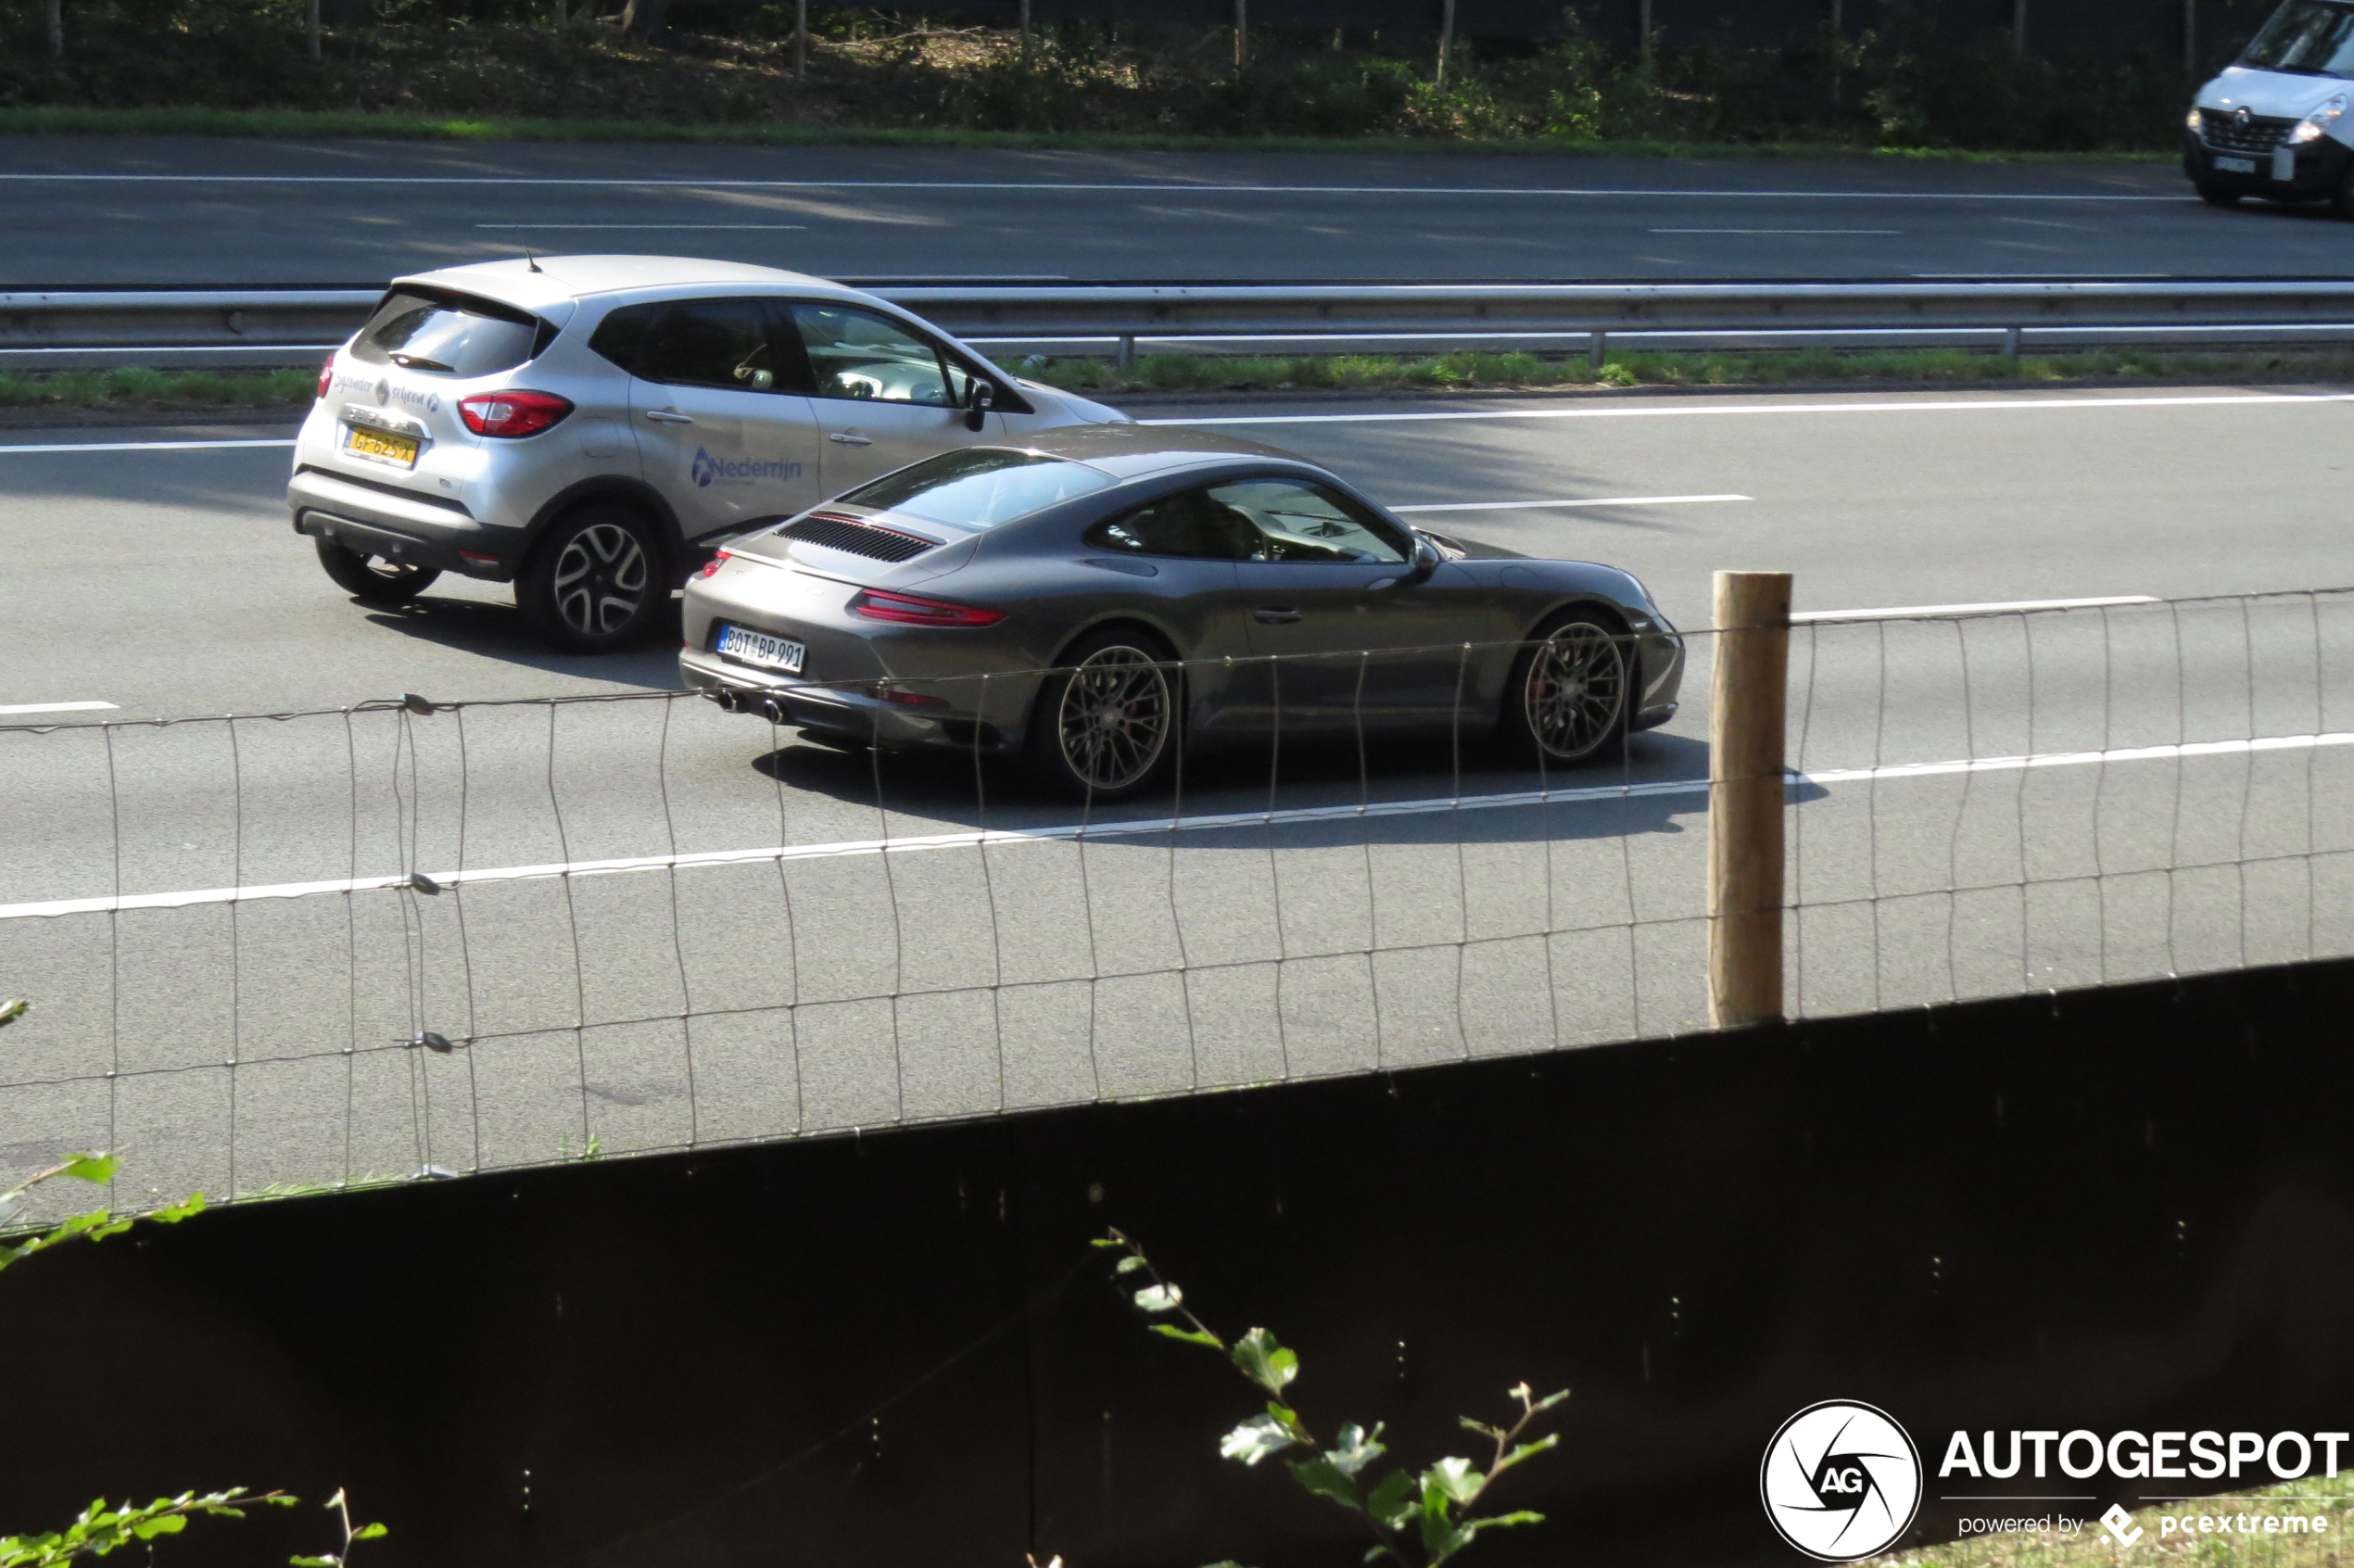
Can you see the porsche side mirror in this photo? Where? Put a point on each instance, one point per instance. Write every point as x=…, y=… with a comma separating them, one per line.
x=979, y=397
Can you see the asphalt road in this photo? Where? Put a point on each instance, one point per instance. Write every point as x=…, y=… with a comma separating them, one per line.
x=254, y=1040
x=187, y=212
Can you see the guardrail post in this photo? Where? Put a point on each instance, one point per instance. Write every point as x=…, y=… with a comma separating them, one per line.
x=1748, y=698
x=2011, y=335
x=1126, y=356
x=1597, y=350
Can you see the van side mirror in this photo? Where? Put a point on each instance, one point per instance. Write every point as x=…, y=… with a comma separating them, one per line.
x=979, y=397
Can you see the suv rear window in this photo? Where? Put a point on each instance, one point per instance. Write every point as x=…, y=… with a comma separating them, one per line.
x=450, y=335
x=979, y=488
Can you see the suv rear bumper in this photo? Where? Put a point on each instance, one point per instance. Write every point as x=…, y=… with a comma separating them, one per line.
x=414, y=531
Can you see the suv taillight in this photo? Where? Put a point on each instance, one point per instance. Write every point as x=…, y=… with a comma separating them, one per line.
x=326, y=375
x=511, y=413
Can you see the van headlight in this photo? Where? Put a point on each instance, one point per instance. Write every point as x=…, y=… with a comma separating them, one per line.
x=2192, y=119
x=2313, y=126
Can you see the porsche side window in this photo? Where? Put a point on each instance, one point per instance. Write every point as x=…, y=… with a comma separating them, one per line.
x=1301, y=521
x=859, y=355
x=1190, y=524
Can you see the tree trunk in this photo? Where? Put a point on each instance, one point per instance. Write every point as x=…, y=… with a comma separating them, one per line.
x=312, y=20
x=57, y=29
x=1242, y=31
x=1446, y=37
x=800, y=40
x=645, y=18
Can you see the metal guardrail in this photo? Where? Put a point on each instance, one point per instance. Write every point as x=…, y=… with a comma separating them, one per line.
x=50, y=325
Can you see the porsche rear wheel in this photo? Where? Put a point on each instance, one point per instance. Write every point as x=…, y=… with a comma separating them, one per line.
x=1106, y=723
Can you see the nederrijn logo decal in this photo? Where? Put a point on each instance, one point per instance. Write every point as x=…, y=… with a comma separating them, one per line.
x=707, y=470
x=1841, y=1481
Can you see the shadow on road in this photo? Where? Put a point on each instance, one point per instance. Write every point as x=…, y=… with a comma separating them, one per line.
x=942, y=789
x=496, y=631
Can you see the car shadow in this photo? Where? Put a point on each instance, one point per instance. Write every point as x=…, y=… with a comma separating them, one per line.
x=497, y=631
x=956, y=792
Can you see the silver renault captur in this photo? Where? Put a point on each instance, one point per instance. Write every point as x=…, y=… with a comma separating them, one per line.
x=581, y=426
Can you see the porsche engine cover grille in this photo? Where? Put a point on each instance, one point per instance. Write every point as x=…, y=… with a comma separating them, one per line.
x=858, y=538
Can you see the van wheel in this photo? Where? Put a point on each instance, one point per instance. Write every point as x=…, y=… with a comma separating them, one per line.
x=2218, y=196
x=595, y=583
x=372, y=578
x=2342, y=196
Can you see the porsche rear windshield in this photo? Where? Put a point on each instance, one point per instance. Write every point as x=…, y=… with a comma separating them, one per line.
x=979, y=488
x=448, y=333
x=2309, y=37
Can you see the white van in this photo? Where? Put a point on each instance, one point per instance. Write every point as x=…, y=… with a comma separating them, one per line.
x=2275, y=123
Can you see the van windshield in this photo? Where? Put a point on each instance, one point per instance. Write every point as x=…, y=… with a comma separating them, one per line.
x=2309, y=37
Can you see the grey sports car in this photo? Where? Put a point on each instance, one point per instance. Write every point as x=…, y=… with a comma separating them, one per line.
x=1099, y=599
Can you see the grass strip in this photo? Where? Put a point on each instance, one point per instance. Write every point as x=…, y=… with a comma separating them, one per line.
x=346, y=125
x=2234, y=1547
x=1467, y=370
x=162, y=389
x=133, y=388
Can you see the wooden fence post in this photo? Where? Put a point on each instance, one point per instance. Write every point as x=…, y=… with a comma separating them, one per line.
x=1749, y=699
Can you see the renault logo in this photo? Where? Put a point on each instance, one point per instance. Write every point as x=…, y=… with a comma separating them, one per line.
x=2240, y=117
x=384, y=391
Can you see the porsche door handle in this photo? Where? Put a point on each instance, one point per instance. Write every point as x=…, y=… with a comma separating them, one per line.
x=669, y=416
x=1275, y=615
x=844, y=439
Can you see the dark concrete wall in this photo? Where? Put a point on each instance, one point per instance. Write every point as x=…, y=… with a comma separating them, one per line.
x=2132, y=1207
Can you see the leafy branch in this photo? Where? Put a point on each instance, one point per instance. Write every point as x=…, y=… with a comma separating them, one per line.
x=100, y=1529
x=1417, y=1519
x=342, y=1558
x=97, y=1225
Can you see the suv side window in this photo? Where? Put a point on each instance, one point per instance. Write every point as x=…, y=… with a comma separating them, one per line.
x=1302, y=522
x=860, y=355
x=728, y=343
x=1189, y=524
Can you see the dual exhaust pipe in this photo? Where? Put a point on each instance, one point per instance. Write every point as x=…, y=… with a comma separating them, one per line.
x=736, y=700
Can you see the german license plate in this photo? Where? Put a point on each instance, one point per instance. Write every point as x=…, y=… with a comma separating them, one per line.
x=2236, y=165
x=759, y=648
x=382, y=445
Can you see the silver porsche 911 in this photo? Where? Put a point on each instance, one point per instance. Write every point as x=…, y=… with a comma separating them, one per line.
x=1099, y=599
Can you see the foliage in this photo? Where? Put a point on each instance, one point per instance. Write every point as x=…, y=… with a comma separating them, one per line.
x=101, y=1529
x=341, y=1557
x=1414, y=1517
x=1926, y=75
x=132, y=387
x=95, y=1226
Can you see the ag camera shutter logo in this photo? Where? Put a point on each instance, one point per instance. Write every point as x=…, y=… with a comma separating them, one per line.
x=1841, y=1481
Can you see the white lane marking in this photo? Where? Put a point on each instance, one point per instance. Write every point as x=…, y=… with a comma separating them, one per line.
x=1069, y=832
x=2040, y=276
x=137, y=446
x=1639, y=411
x=1778, y=232
x=665, y=228
x=1598, y=500
x=1156, y=188
x=1905, y=612
x=51, y=707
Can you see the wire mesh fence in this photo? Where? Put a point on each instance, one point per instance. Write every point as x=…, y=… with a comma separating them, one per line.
x=312, y=949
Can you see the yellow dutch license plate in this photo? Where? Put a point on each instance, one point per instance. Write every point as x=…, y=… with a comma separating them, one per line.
x=401, y=449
